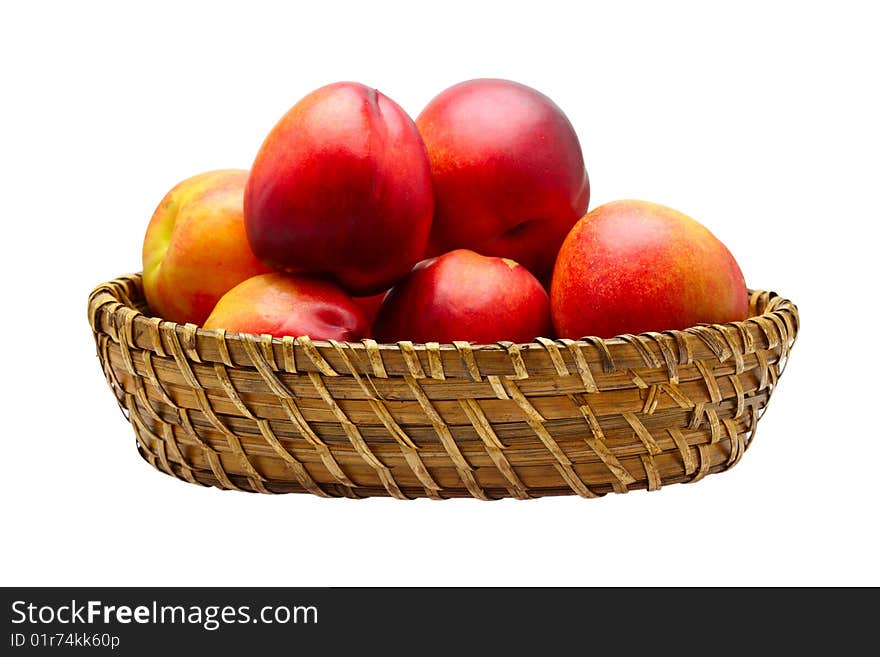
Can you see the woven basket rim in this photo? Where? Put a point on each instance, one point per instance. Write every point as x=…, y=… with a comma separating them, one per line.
x=773, y=319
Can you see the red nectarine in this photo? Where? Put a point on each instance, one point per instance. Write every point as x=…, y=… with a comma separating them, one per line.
x=342, y=186
x=462, y=295
x=509, y=176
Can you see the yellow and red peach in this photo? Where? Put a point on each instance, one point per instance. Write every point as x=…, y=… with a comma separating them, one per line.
x=195, y=248
x=285, y=304
x=632, y=266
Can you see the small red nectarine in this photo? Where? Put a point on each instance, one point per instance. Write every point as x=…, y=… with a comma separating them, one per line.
x=462, y=295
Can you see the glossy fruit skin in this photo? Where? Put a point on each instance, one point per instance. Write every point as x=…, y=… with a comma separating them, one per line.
x=508, y=170
x=286, y=304
x=462, y=295
x=370, y=305
x=195, y=248
x=342, y=187
x=632, y=266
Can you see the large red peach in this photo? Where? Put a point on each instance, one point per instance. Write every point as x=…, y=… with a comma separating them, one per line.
x=463, y=295
x=195, y=248
x=509, y=175
x=633, y=266
x=342, y=186
x=284, y=304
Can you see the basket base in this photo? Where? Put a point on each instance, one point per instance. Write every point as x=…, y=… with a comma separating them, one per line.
x=240, y=483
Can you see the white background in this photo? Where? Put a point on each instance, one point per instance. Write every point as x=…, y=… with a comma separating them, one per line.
x=759, y=119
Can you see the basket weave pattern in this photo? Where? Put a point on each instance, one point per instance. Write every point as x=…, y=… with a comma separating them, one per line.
x=555, y=417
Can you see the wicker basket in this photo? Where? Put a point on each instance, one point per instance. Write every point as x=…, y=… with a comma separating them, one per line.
x=561, y=417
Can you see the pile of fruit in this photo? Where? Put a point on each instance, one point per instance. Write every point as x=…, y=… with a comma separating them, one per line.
x=469, y=223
